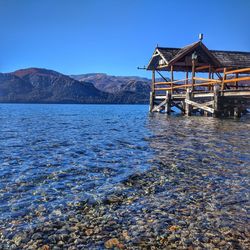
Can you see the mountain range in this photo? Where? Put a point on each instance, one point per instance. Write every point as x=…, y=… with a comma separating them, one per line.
x=36, y=85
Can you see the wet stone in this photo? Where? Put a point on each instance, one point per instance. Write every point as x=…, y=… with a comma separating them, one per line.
x=37, y=236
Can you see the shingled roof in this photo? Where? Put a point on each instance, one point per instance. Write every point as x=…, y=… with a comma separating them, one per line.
x=216, y=58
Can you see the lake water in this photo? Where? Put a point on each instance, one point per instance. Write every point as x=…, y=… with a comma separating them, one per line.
x=57, y=159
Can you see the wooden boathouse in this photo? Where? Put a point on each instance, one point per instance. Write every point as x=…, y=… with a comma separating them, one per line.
x=215, y=82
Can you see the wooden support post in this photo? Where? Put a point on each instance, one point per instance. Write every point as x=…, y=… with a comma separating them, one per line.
x=237, y=113
x=193, y=74
x=223, y=79
x=236, y=83
x=188, y=107
x=152, y=93
x=210, y=72
x=187, y=76
x=172, y=78
x=183, y=105
x=206, y=113
x=231, y=111
x=216, y=102
x=168, y=103
x=210, y=76
x=151, y=105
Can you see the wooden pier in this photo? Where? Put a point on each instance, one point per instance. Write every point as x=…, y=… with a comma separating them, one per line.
x=219, y=82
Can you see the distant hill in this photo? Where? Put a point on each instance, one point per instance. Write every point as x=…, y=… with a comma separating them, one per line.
x=114, y=84
x=47, y=86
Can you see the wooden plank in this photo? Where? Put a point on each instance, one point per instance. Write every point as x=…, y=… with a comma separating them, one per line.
x=189, y=85
x=237, y=93
x=206, y=79
x=162, y=67
x=160, y=97
x=238, y=71
x=203, y=95
x=239, y=79
x=200, y=106
x=163, y=83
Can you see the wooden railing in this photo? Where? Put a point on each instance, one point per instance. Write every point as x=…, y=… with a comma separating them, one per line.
x=206, y=82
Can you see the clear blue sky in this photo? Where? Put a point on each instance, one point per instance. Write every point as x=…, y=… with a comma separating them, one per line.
x=81, y=36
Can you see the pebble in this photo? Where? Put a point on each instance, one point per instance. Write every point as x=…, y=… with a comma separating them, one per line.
x=111, y=243
x=176, y=206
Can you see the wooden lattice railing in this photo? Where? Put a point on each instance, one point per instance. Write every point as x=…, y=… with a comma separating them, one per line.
x=207, y=82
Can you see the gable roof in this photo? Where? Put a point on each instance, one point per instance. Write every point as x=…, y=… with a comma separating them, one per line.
x=217, y=58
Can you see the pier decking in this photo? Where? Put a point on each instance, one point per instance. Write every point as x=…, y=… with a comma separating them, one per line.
x=223, y=91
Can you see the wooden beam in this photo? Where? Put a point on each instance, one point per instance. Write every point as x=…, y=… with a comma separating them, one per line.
x=169, y=82
x=219, y=75
x=222, y=69
x=162, y=66
x=239, y=79
x=200, y=106
x=202, y=67
x=210, y=103
x=237, y=93
x=156, y=54
x=189, y=85
x=206, y=79
x=159, y=106
x=162, y=76
x=238, y=71
x=163, y=83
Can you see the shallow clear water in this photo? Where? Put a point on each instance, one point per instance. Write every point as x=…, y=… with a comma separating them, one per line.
x=54, y=156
